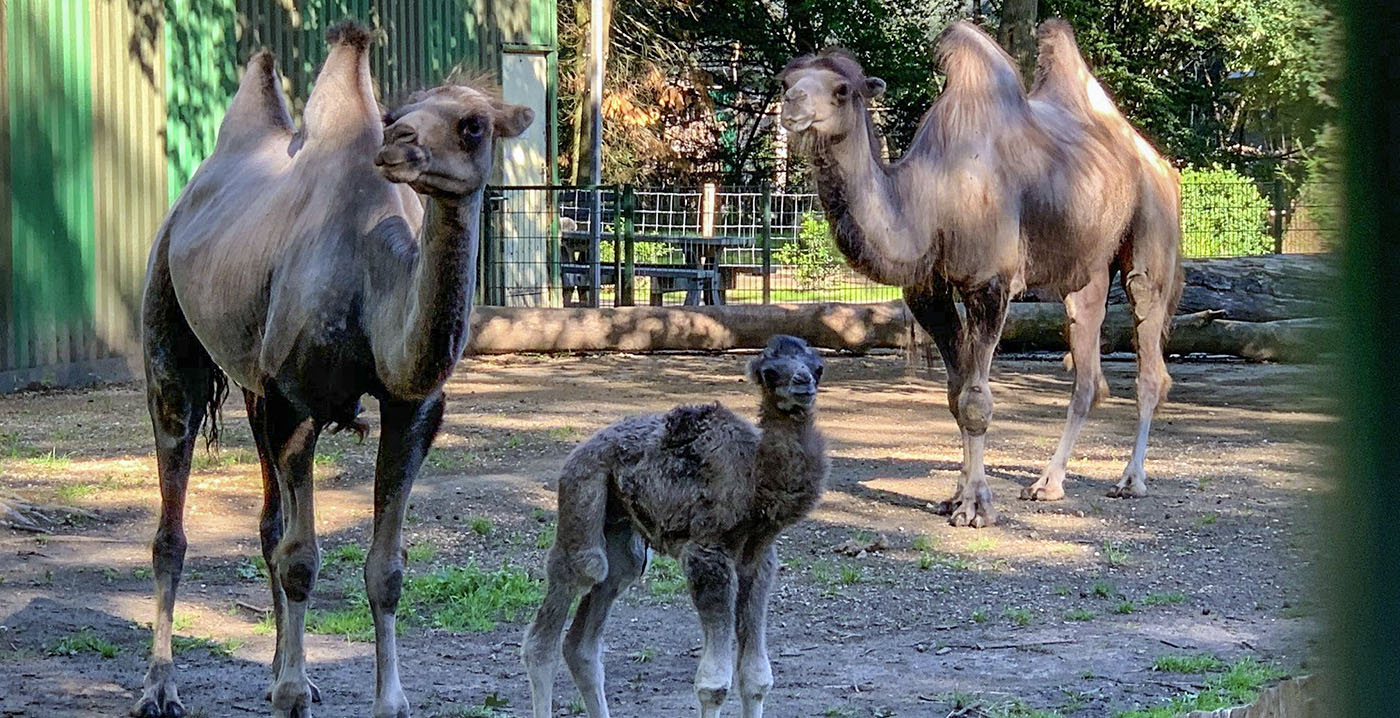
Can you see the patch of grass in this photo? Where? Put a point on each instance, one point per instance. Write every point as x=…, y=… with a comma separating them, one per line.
x=459, y=599
x=926, y=561
x=221, y=649
x=1234, y=684
x=1114, y=554
x=328, y=458
x=851, y=575
x=839, y=712
x=84, y=641
x=1018, y=616
x=480, y=526
x=450, y=460
x=664, y=578
x=561, y=433
x=1208, y=519
x=1062, y=591
x=1103, y=589
x=996, y=708
x=1193, y=663
x=643, y=656
x=421, y=552
x=490, y=708
x=220, y=459
x=981, y=544
x=266, y=625
x=545, y=538
x=924, y=543
x=252, y=567
x=70, y=493
x=1163, y=599
x=576, y=706
x=1079, y=614
x=979, y=616
x=141, y=572
x=514, y=442
x=1124, y=608
x=347, y=554
x=50, y=460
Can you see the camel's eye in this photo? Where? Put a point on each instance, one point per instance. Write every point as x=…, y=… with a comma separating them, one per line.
x=842, y=92
x=770, y=377
x=817, y=373
x=471, y=127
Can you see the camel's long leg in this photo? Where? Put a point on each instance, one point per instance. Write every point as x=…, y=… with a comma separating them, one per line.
x=270, y=527
x=751, y=626
x=541, y=648
x=181, y=381
x=713, y=583
x=1151, y=306
x=1085, y=309
x=986, y=313
x=291, y=435
x=408, y=431
x=933, y=308
x=583, y=646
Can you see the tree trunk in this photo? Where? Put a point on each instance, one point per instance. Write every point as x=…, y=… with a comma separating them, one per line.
x=583, y=109
x=1016, y=33
x=1256, y=289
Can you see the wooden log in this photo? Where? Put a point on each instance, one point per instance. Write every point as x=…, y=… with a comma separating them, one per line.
x=852, y=327
x=857, y=328
x=1256, y=289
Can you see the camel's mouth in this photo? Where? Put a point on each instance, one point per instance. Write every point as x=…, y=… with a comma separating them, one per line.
x=797, y=123
x=401, y=163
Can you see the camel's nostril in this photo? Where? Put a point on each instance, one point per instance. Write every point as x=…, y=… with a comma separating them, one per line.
x=795, y=95
x=400, y=133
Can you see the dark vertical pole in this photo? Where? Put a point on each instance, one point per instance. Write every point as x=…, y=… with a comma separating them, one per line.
x=626, y=282
x=618, y=232
x=1361, y=537
x=486, y=275
x=1280, y=208
x=765, y=235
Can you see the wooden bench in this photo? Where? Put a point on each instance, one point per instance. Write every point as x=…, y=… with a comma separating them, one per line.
x=665, y=278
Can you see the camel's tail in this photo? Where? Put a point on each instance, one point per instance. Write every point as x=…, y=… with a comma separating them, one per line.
x=579, y=554
x=213, y=410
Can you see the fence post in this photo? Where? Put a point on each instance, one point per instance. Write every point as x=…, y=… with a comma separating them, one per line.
x=765, y=235
x=626, y=279
x=617, y=232
x=1280, y=207
x=486, y=265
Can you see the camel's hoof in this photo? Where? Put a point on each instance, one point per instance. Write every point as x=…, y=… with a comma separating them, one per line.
x=974, y=513
x=315, y=692
x=152, y=708
x=1128, y=491
x=1042, y=493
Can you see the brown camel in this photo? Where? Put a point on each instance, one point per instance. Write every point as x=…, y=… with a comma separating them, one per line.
x=295, y=266
x=1001, y=191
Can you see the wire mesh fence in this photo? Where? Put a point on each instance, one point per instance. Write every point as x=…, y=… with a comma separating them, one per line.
x=621, y=246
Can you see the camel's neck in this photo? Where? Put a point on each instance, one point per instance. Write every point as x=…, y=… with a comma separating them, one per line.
x=434, y=305
x=863, y=202
x=791, y=463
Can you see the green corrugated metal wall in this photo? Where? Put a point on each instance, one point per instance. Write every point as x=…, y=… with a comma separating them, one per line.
x=126, y=97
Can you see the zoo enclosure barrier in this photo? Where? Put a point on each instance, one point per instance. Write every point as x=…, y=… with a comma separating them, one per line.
x=552, y=246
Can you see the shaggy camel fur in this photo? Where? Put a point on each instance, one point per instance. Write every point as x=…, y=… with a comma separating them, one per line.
x=698, y=483
x=295, y=266
x=999, y=192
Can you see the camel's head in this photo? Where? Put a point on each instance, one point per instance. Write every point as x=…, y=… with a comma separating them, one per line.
x=788, y=372
x=441, y=142
x=826, y=95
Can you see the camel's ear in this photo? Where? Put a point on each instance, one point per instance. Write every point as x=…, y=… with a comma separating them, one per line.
x=874, y=87
x=511, y=120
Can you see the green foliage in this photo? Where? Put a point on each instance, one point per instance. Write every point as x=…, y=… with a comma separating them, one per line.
x=1223, y=214
x=1195, y=663
x=458, y=599
x=1079, y=614
x=1231, y=685
x=84, y=641
x=813, y=255
x=664, y=578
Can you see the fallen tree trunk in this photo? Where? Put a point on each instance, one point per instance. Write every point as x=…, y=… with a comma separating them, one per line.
x=1256, y=289
x=855, y=327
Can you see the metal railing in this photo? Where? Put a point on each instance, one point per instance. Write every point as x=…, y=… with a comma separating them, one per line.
x=760, y=245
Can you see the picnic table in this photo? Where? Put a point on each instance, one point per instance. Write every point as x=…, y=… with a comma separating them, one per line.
x=699, y=274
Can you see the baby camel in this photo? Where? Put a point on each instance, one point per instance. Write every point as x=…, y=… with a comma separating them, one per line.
x=703, y=485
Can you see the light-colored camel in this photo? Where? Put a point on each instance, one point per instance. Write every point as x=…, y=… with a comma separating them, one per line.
x=295, y=265
x=698, y=483
x=998, y=192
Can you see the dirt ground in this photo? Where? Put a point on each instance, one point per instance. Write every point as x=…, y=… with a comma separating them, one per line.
x=1060, y=607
